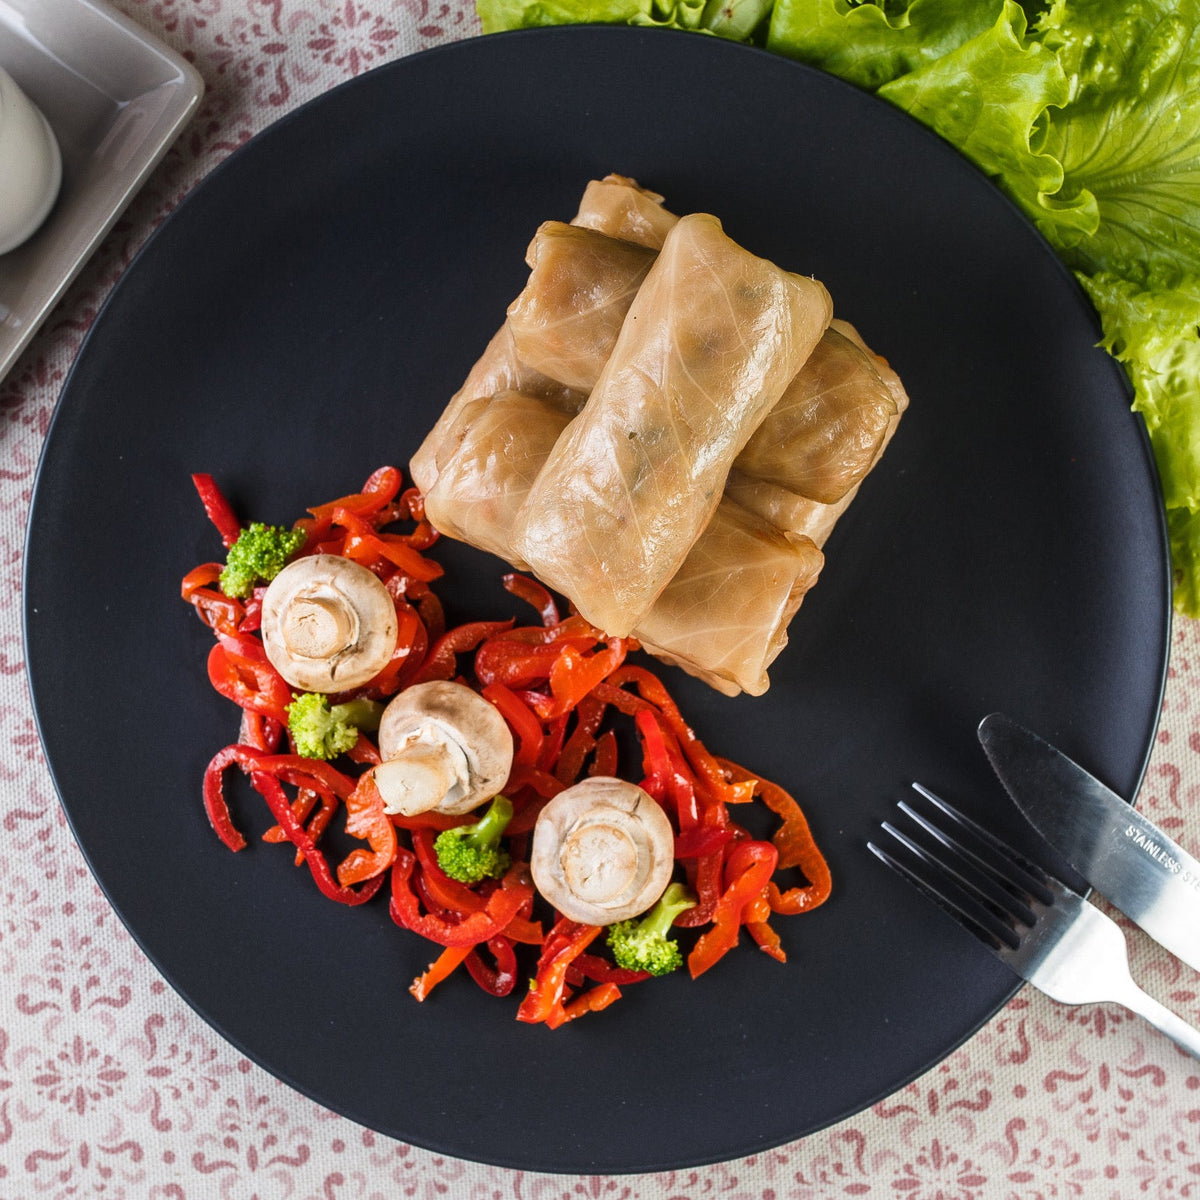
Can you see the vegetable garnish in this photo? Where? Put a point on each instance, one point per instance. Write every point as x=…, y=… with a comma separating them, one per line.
x=462, y=879
x=1085, y=112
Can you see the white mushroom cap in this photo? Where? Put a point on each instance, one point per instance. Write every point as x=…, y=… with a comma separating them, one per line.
x=444, y=747
x=603, y=851
x=328, y=624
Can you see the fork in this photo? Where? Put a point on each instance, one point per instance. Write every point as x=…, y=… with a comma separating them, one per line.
x=1046, y=933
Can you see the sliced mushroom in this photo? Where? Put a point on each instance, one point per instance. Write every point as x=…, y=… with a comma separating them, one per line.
x=444, y=747
x=328, y=624
x=603, y=851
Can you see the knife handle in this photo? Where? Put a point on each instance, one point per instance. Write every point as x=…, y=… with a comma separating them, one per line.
x=1163, y=1019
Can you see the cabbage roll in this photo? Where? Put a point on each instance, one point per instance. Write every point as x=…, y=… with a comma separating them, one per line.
x=789, y=510
x=784, y=510
x=617, y=206
x=499, y=369
x=724, y=616
x=713, y=338
x=827, y=430
x=581, y=283
x=496, y=446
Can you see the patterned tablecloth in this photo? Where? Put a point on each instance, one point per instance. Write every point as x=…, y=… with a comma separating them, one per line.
x=110, y=1086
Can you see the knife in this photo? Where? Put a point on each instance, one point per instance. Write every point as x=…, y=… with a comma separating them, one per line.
x=1124, y=856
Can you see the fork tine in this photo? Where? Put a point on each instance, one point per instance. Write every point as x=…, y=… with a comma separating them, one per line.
x=1019, y=871
x=982, y=878
x=938, y=886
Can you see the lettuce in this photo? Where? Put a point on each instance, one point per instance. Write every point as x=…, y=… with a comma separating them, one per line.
x=1086, y=112
x=991, y=97
x=1156, y=334
x=872, y=44
x=1130, y=136
x=497, y=15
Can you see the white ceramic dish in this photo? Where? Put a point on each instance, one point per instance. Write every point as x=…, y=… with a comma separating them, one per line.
x=116, y=99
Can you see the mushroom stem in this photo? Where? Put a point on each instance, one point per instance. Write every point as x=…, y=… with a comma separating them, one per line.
x=444, y=747
x=424, y=774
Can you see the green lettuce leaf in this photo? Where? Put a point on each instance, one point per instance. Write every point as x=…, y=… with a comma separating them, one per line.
x=991, y=97
x=1130, y=136
x=872, y=43
x=725, y=17
x=1156, y=335
x=1183, y=525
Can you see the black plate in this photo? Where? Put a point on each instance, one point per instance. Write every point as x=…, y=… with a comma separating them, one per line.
x=304, y=316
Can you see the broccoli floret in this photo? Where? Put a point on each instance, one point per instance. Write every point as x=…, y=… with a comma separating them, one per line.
x=321, y=730
x=473, y=852
x=260, y=552
x=643, y=945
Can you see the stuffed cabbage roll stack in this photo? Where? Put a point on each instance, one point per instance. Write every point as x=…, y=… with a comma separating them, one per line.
x=581, y=285
x=496, y=445
x=724, y=616
x=710, y=343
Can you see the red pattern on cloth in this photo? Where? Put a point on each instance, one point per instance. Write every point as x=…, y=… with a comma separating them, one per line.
x=109, y=1084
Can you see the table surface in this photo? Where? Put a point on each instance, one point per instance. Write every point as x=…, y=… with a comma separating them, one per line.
x=109, y=1084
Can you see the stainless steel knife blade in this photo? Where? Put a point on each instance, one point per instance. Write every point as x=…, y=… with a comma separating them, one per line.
x=1122, y=854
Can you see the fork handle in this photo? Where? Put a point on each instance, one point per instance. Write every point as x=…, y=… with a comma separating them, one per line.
x=1163, y=1019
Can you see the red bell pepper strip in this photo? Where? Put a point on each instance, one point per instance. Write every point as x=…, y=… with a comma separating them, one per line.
x=589, y=713
x=501, y=906
x=366, y=819
x=574, y=675
x=439, y=969
x=377, y=493
x=501, y=979
x=534, y=593
x=525, y=931
x=214, y=608
x=593, y=1000
x=604, y=761
x=521, y=720
x=271, y=791
x=513, y=663
x=796, y=846
x=427, y=604
x=302, y=772
x=264, y=771
x=411, y=644
x=747, y=871
x=315, y=823
x=214, y=801
x=755, y=917
x=365, y=545
x=652, y=691
x=442, y=662
x=265, y=692
x=380, y=489
x=701, y=841
x=447, y=893
x=565, y=942
x=600, y=970
x=219, y=510
x=261, y=732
